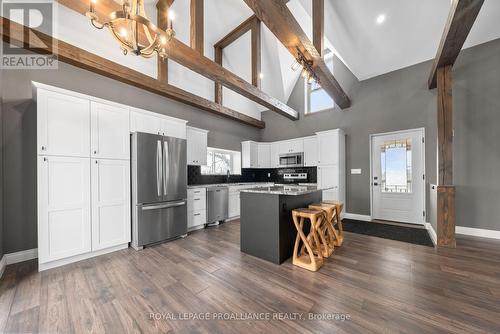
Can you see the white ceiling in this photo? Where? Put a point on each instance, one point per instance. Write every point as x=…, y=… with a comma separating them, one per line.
x=410, y=34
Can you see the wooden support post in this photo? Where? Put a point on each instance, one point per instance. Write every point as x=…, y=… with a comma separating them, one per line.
x=446, y=216
x=256, y=53
x=162, y=19
x=197, y=33
x=218, y=86
x=446, y=189
x=445, y=125
x=318, y=17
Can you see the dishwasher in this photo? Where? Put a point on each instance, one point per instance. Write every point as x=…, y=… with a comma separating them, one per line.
x=217, y=205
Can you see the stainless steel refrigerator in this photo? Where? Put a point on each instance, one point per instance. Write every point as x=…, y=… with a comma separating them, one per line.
x=159, y=188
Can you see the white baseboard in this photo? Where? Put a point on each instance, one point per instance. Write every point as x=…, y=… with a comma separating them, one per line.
x=3, y=264
x=357, y=217
x=21, y=256
x=477, y=232
x=17, y=257
x=432, y=233
x=76, y=258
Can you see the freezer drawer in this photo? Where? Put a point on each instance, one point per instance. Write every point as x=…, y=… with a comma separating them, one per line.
x=161, y=221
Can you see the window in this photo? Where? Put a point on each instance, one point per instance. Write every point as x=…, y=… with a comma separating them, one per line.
x=315, y=97
x=395, y=159
x=220, y=161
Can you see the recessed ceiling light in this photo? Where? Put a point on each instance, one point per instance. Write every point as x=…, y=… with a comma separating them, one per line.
x=380, y=19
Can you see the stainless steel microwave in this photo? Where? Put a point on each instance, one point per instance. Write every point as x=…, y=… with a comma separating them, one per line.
x=292, y=160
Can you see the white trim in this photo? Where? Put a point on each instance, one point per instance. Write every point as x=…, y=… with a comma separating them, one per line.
x=3, y=264
x=432, y=233
x=422, y=129
x=17, y=257
x=477, y=232
x=62, y=262
x=21, y=256
x=358, y=217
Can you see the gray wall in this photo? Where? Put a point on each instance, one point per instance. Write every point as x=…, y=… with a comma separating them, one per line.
x=1, y=166
x=20, y=136
x=401, y=100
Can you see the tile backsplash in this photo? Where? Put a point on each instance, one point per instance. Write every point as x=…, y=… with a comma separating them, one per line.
x=249, y=175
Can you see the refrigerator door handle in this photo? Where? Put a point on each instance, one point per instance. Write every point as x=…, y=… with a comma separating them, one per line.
x=158, y=168
x=166, y=170
x=163, y=206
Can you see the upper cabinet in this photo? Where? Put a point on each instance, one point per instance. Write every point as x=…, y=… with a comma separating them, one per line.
x=264, y=155
x=148, y=122
x=275, y=155
x=328, y=147
x=291, y=146
x=110, y=135
x=63, y=124
x=196, y=146
x=311, y=151
x=249, y=154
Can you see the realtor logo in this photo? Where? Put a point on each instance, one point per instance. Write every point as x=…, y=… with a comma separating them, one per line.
x=28, y=29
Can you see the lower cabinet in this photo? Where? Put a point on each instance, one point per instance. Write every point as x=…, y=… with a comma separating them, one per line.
x=197, y=207
x=64, y=224
x=83, y=207
x=110, y=203
x=234, y=204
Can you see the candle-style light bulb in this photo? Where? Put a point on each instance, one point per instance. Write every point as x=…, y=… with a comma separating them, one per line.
x=92, y=5
x=171, y=18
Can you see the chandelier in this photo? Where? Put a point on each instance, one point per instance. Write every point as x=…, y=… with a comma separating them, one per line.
x=307, y=71
x=132, y=29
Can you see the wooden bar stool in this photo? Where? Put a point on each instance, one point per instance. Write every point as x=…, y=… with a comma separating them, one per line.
x=326, y=228
x=337, y=221
x=307, y=258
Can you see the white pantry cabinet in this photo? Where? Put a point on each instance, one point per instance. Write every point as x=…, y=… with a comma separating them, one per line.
x=64, y=223
x=328, y=147
x=249, y=154
x=331, y=164
x=110, y=131
x=197, y=142
x=263, y=155
x=110, y=203
x=63, y=124
x=311, y=151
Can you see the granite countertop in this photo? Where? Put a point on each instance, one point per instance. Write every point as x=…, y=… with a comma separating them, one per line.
x=292, y=190
x=250, y=184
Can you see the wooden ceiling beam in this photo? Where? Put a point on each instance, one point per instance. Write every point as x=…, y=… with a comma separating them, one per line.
x=187, y=57
x=318, y=18
x=196, y=26
x=237, y=32
x=278, y=18
x=463, y=14
x=14, y=33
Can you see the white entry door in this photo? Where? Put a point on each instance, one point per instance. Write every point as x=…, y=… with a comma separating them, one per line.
x=398, y=176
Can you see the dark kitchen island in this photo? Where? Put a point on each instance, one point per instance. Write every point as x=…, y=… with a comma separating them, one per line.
x=267, y=230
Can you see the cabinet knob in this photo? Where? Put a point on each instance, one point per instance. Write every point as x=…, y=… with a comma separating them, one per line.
x=44, y=159
x=43, y=148
x=95, y=152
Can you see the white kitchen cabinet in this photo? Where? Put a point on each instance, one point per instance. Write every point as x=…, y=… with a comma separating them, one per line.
x=63, y=124
x=110, y=131
x=275, y=155
x=234, y=204
x=64, y=222
x=197, y=140
x=148, y=122
x=311, y=151
x=328, y=147
x=263, y=155
x=110, y=203
x=291, y=146
x=196, y=207
x=249, y=154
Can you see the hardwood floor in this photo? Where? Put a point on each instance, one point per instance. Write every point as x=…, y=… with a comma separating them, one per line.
x=384, y=286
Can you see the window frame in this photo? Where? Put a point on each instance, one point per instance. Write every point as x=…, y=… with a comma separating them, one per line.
x=307, y=90
x=214, y=151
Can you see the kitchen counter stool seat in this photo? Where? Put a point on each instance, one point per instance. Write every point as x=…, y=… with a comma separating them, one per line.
x=309, y=257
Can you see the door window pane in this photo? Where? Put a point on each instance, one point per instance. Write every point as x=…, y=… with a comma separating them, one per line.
x=395, y=159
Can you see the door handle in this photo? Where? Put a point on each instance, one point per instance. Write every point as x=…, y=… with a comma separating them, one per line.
x=165, y=167
x=158, y=168
x=163, y=206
